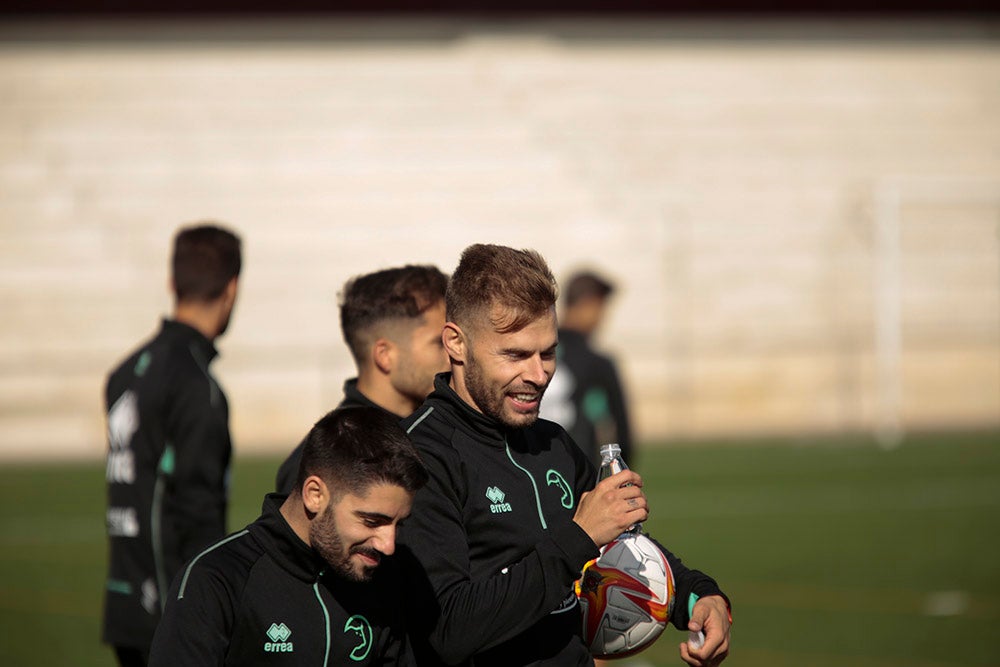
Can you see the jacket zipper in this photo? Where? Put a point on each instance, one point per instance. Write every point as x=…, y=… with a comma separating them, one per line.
x=326, y=616
x=538, y=499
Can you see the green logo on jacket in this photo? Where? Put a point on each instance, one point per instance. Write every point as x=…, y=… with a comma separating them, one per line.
x=556, y=478
x=278, y=633
x=359, y=625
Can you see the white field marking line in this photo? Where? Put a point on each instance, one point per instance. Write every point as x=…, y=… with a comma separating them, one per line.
x=947, y=603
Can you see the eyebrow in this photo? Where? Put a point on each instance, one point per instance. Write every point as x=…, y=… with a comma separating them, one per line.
x=373, y=515
x=519, y=350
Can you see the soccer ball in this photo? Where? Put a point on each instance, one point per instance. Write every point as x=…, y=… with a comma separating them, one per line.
x=626, y=595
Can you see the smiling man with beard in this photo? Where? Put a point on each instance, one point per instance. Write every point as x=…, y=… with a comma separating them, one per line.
x=312, y=576
x=511, y=513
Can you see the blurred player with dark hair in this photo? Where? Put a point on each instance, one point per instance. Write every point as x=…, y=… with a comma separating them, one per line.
x=586, y=396
x=392, y=321
x=169, y=444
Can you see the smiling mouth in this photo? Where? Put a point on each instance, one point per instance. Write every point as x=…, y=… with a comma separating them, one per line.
x=526, y=399
x=369, y=557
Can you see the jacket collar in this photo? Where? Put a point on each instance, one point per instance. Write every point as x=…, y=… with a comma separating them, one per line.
x=484, y=428
x=185, y=333
x=353, y=398
x=281, y=542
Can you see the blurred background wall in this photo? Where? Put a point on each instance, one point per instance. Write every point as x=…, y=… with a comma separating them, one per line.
x=803, y=217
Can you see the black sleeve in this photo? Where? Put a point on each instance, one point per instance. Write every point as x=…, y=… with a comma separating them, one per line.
x=197, y=431
x=512, y=601
x=197, y=622
x=417, y=613
x=686, y=582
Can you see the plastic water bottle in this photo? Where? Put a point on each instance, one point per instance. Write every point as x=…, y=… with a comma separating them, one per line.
x=612, y=463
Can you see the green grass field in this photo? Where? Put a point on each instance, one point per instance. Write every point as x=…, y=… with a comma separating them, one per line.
x=834, y=553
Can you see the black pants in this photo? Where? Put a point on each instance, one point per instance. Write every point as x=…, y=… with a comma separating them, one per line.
x=130, y=656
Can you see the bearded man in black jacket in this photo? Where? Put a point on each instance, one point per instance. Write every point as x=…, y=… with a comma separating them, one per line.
x=511, y=513
x=313, y=581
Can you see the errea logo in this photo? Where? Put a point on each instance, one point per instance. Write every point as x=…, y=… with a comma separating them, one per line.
x=496, y=496
x=278, y=633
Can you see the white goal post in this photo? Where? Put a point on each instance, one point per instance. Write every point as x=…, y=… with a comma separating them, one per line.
x=890, y=195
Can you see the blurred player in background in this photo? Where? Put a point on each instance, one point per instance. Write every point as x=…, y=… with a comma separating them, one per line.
x=511, y=514
x=311, y=581
x=392, y=322
x=169, y=444
x=586, y=396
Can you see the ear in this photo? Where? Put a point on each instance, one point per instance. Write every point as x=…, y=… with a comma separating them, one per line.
x=455, y=342
x=384, y=353
x=315, y=494
x=230, y=292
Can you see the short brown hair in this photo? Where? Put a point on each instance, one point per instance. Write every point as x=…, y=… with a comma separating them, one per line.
x=390, y=294
x=519, y=281
x=205, y=258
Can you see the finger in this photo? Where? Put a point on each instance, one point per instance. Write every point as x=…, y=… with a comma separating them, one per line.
x=637, y=514
x=634, y=501
x=627, y=477
x=632, y=491
x=713, y=641
x=699, y=615
x=635, y=510
x=688, y=657
x=623, y=478
x=716, y=646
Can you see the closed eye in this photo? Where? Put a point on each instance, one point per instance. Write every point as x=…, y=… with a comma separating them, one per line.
x=372, y=520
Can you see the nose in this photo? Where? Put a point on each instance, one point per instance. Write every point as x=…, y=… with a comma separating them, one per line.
x=385, y=540
x=535, y=371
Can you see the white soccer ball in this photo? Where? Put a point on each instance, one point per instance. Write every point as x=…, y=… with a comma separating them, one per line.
x=626, y=595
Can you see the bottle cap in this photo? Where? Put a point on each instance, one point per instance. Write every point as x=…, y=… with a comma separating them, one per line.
x=610, y=450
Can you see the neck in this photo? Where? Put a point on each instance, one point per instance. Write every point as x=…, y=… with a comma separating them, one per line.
x=379, y=390
x=201, y=316
x=457, y=384
x=576, y=324
x=295, y=514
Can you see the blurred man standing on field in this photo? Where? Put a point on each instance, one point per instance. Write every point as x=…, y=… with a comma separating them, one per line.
x=169, y=446
x=392, y=321
x=585, y=397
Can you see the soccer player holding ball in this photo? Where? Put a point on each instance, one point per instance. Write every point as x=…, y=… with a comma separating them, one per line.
x=512, y=510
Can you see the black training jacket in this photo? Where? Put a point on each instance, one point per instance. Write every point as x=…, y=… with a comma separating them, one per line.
x=261, y=596
x=288, y=471
x=167, y=471
x=586, y=397
x=493, y=529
